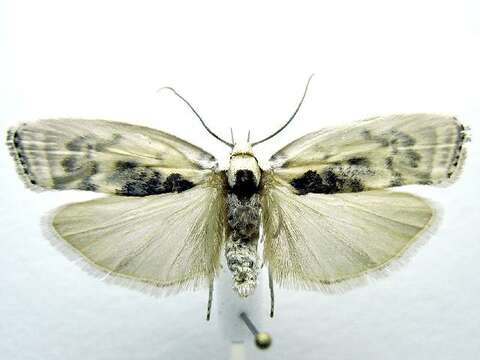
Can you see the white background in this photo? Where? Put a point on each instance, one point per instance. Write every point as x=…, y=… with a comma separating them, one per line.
x=242, y=64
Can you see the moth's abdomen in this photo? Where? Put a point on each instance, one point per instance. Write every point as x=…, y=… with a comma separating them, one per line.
x=241, y=245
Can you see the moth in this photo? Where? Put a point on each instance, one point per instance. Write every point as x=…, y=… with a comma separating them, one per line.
x=322, y=210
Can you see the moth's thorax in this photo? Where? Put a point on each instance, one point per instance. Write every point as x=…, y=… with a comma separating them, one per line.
x=243, y=170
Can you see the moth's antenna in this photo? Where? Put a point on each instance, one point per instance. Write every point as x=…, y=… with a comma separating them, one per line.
x=291, y=117
x=248, y=136
x=231, y=134
x=196, y=113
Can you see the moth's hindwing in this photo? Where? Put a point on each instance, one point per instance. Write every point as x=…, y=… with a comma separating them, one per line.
x=104, y=156
x=375, y=153
x=330, y=241
x=169, y=241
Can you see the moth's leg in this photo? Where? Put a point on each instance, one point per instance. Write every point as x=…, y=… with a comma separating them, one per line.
x=210, y=296
x=270, y=285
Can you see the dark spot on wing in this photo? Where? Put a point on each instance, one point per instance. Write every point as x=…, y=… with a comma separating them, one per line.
x=461, y=138
x=17, y=141
x=75, y=144
x=462, y=133
x=329, y=181
x=77, y=172
x=406, y=140
x=389, y=162
x=142, y=182
x=57, y=184
x=209, y=157
x=87, y=185
x=22, y=157
x=125, y=165
x=367, y=135
x=70, y=164
x=397, y=179
x=424, y=178
x=412, y=157
x=103, y=144
x=400, y=138
x=356, y=185
x=176, y=183
x=310, y=181
x=93, y=168
x=90, y=143
x=358, y=161
x=137, y=180
x=275, y=157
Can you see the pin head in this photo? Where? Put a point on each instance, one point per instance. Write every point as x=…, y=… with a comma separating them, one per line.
x=263, y=340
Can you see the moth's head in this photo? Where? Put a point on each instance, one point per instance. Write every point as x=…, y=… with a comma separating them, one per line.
x=244, y=172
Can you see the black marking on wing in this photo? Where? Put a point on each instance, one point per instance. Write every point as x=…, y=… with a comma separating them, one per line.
x=22, y=158
x=461, y=138
x=401, y=154
x=81, y=143
x=87, y=182
x=328, y=181
x=343, y=176
x=350, y=175
x=138, y=180
x=70, y=164
x=176, y=183
x=358, y=161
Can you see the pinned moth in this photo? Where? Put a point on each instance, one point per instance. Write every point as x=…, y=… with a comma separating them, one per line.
x=322, y=209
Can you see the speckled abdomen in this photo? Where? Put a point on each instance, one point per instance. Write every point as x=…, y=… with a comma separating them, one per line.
x=241, y=245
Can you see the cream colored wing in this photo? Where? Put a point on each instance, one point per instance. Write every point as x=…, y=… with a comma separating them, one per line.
x=167, y=241
x=329, y=242
x=106, y=156
x=375, y=153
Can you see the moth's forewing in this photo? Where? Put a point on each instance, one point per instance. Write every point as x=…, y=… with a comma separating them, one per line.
x=106, y=156
x=376, y=153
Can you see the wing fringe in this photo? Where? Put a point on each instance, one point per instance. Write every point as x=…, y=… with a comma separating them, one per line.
x=17, y=156
x=455, y=169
